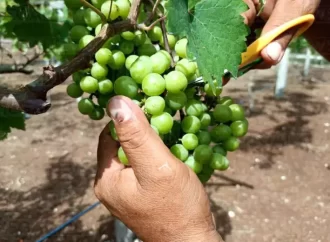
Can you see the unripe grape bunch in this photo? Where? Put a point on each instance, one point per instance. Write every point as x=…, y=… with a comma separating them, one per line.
x=197, y=124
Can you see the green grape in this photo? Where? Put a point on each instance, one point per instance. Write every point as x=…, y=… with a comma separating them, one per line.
x=74, y=90
x=155, y=105
x=231, y=144
x=70, y=50
x=103, y=56
x=227, y=101
x=117, y=60
x=188, y=68
x=113, y=131
x=191, y=124
x=155, y=129
x=180, y=152
x=209, y=92
x=127, y=47
x=237, y=112
x=86, y=106
x=77, y=76
x=97, y=114
x=103, y=100
x=146, y=49
x=176, y=101
x=181, y=48
x=170, y=111
x=155, y=34
x=163, y=122
x=78, y=17
x=92, y=19
x=124, y=7
x=128, y=35
x=205, y=119
x=140, y=37
x=159, y=63
x=222, y=113
x=194, y=165
x=73, y=4
x=153, y=84
x=219, y=149
x=113, y=13
x=99, y=71
x=220, y=133
x=105, y=87
x=191, y=93
x=98, y=3
x=168, y=57
x=176, y=82
x=130, y=60
x=194, y=108
x=190, y=141
x=204, y=137
x=219, y=162
x=207, y=169
x=98, y=29
x=204, y=107
x=239, y=128
x=126, y=86
x=203, y=154
x=89, y=84
x=141, y=68
x=77, y=32
x=84, y=41
x=171, y=41
x=122, y=156
x=204, y=178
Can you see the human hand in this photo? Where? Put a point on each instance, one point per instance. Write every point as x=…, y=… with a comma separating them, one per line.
x=158, y=197
x=276, y=13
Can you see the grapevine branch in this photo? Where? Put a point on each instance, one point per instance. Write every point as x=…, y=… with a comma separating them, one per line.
x=32, y=98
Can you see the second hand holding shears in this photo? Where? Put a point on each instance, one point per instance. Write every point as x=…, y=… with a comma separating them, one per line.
x=251, y=57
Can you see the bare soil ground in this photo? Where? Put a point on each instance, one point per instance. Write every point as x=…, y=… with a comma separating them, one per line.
x=277, y=189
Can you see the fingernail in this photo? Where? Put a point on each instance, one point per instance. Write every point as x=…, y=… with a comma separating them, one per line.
x=274, y=51
x=120, y=111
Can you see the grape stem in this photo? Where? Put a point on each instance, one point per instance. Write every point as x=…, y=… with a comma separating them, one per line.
x=32, y=97
x=148, y=28
x=88, y=5
x=166, y=44
x=110, y=9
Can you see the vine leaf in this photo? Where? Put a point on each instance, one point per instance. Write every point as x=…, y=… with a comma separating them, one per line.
x=216, y=34
x=10, y=119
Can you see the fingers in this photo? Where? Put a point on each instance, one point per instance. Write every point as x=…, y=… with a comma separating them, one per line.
x=251, y=13
x=280, y=12
x=145, y=151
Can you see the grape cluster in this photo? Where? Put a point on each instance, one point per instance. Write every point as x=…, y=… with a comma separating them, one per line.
x=193, y=120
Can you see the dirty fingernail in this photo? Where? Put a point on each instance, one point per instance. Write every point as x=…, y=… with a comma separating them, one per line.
x=119, y=110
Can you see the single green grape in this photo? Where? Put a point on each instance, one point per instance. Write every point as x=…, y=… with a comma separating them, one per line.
x=155, y=34
x=130, y=60
x=113, y=131
x=84, y=41
x=176, y=101
x=127, y=47
x=219, y=162
x=171, y=41
x=99, y=71
x=188, y=68
x=77, y=32
x=124, y=7
x=140, y=37
x=237, y=112
x=77, y=76
x=103, y=56
x=141, y=68
x=117, y=60
x=227, y=101
x=203, y=154
x=180, y=152
x=73, y=4
x=74, y=90
x=194, y=165
x=159, y=63
x=105, y=87
x=89, y=84
x=122, y=156
x=239, y=128
x=153, y=84
x=110, y=9
x=92, y=19
x=176, y=82
x=147, y=49
x=190, y=92
x=205, y=119
x=128, y=35
x=126, y=86
x=155, y=105
x=70, y=50
x=86, y=106
x=190, y=141
x=191, y=124
x=222, y=113
x=163, y=122
x=194, y=108
x=219, y=149
x=78, y=17
x=97, y=114
x=231, y=144
x=204, y=137
x=181, y=48
x=220, y=133
x=209, y=92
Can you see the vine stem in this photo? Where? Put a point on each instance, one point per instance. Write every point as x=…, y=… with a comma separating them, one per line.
x=88, y=5
x=32, y=98
x=110, y=9
x=148, y=28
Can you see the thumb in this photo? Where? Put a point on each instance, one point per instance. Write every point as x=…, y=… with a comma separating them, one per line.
x=144, y=149
x=280, y=12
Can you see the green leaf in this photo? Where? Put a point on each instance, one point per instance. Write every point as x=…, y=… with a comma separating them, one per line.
x=216, y=34
x=10, y=119
x=192, y=3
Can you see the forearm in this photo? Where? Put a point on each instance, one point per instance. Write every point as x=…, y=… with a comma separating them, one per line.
x=319, y=34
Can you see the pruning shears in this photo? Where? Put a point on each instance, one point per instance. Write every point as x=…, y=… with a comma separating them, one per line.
x=251, y=57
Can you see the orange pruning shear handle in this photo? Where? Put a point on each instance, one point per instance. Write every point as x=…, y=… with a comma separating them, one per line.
x=253, y=51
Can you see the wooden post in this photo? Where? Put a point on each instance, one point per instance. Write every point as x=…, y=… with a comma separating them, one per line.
x=282, y=74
